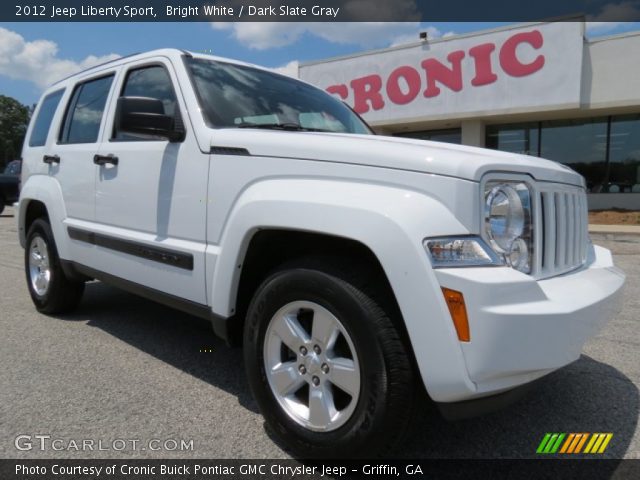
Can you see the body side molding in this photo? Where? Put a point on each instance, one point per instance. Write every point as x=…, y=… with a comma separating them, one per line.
x=167, y=256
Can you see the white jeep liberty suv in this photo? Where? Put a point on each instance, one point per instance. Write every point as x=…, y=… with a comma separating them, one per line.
x=352, y=267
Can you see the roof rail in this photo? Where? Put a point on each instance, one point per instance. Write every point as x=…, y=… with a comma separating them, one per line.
x=95, y=66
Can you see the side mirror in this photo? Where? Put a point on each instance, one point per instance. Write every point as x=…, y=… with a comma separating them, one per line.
x=146, y=115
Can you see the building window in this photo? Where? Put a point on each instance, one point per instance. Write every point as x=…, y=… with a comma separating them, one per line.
x=449, y=135
x=517, y=138
x=624, y=154
x=605, y=150
x=579, y=144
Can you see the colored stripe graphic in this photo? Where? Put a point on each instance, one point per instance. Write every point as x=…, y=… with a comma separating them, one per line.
x=555, y=447
x=550, y=443
x=543, y=443
x=598, y=442
x=573, y=443
x=604, y=445
x=567, y=443
x=581, y=444
x=593, y=439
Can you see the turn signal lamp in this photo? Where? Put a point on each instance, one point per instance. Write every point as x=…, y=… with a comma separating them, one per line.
x=458, y=311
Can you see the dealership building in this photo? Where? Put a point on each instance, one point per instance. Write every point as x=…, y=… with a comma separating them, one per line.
x=543, y=89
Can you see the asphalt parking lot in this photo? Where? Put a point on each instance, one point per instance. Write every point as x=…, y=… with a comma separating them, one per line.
x=122, y=367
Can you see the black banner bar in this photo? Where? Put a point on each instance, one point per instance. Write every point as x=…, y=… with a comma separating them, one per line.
x=177, y=469
x=314, y=10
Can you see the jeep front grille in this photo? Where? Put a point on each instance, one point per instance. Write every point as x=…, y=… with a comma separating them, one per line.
x=563, y=229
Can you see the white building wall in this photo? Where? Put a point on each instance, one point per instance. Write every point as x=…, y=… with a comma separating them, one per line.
x=611, y=72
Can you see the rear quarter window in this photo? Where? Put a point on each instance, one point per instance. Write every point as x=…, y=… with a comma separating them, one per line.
x=84, y=113
x=42, y=122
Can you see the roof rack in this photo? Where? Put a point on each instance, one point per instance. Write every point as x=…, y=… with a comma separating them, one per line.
x=95, y=66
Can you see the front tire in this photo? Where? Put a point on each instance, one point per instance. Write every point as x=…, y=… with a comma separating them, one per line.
x=50, y=289
x=326, y=363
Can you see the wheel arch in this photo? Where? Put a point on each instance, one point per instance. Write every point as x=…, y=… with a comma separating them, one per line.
x=388, y=223
x=271, y=248
x=384, y=219
x=41, y=196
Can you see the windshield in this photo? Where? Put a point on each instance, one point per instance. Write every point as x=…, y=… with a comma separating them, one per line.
x=244, y=97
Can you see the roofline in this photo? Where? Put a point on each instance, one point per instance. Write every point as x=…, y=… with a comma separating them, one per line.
x=92, y=67
x=165, y=51
x=115, y=60
x=615, y=36
x=513, y=26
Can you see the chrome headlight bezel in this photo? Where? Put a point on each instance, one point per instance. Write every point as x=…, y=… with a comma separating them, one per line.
x=460, y=251
x=508, y=221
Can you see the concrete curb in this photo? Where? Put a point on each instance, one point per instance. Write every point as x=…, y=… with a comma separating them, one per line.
x=627, y=229
x=629, y=234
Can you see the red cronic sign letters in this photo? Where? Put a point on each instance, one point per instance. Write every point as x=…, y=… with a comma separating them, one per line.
x=405, y=83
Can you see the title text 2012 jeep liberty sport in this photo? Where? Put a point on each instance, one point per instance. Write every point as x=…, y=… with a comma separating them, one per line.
x=352, y=267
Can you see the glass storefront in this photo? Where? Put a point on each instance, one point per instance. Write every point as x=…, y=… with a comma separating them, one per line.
x=449, y=135
x=605, y=150
x=580, y=144
x=624, y=153
x=515, y=138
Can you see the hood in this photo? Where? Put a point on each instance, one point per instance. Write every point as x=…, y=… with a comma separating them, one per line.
x=423, y=156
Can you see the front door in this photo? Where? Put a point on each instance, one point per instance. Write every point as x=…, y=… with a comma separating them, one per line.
x=151, y=194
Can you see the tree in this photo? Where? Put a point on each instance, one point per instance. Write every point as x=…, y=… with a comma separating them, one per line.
x=14, y=118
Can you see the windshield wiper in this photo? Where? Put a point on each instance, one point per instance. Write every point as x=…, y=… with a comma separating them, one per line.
x=292, y=127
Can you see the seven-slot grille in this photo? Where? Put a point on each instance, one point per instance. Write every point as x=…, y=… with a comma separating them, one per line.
x=563, y=232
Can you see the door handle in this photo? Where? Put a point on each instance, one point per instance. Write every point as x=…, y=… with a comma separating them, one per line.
x=105, y=159
x=51, y=159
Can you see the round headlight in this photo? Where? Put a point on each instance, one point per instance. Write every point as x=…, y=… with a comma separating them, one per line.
x=504, y=216
x=518, y=256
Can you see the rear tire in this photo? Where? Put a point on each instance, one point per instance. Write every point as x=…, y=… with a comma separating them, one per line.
x=364, y=377
x=50, y=289
x=1, y=205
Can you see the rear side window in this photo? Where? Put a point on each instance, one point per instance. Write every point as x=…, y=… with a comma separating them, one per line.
x=84, y=113
x=43, y=120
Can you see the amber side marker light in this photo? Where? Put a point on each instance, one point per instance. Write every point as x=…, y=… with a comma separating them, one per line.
x=458, y=311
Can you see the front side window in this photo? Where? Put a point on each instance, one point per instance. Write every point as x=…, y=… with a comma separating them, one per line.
x=84, y=114
x=245, y=97
x=43, y=120
x=152, y=82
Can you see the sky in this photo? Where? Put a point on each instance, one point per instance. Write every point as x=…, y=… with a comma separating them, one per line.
x=34, y=55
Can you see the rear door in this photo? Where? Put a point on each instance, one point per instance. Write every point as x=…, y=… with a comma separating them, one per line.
x=151, y=202
x=69, y=158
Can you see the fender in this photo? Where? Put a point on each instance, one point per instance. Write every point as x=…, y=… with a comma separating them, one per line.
x=46, y=190
x=389, y=220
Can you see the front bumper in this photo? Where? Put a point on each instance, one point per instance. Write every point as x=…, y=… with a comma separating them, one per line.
x=522, y=328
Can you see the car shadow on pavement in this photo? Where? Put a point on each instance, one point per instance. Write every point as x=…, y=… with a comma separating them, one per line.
x=179, y=339
x=585, y=397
